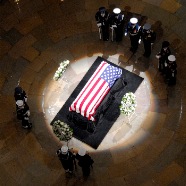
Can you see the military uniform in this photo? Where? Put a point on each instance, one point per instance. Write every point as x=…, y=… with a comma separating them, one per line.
x=20, y=94
x=117, y=24
x=171, y=71
x=163, y=56
x=84, y=161
x=133, y=30
x=102, y=17
x=66, y=158
x=23, y=113
x=148, y=37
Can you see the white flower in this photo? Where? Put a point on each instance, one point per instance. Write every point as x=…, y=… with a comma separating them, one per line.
x=128, y=104
x=61, y=69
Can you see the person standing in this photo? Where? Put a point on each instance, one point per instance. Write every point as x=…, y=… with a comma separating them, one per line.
x=148, y=37
x=84, y=161
x=20, y=94
x=163, y=57
x=133, y=30
x=102, y=17
x=66, y=158
x=171, y=70
x=23, y=113
x=117, y=24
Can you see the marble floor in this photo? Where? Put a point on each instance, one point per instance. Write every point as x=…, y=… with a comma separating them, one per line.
x=35, y=36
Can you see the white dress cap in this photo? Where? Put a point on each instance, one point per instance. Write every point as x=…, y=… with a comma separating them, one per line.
x=171, y=58
x=64, y=149
x=147, y=26
x=19, y=103
x=116, y=10
x=133, y=20
x=82, y=152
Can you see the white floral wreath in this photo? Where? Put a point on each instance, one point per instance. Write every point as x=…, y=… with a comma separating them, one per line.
x=128, y=104
x=61, y=69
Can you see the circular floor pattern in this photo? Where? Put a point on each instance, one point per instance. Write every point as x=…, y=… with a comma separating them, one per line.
x=57, y=92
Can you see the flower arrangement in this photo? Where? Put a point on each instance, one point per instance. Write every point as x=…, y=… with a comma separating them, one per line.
x=61, y=69
x=62, y=130
x=128, y=104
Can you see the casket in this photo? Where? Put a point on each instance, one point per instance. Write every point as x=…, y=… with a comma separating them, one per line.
x=95, y=90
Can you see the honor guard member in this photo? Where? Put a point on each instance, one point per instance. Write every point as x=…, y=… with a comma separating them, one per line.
x=133, y=30
x=148, y=37
x=171, y=70
x=66, y=158
x=102, y=17
x=20, y=94
x=23, y=113
x=84, y=161
x=117, y=24
x=163, y=56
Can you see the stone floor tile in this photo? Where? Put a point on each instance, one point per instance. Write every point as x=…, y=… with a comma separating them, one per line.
x=14, y=169
x=164, y=177
x=170, y=6
x=28, y=76
x=179, y=28
x=153, y=122
x=25, y=26
x=5, y=47
x=159, y=105
x=9, y=22
x=153, y=2
x=30, y=54
x=5, y=178
x=43, y=44
x=166, y=18
x=19, y=48
x=181, y=11
x=12, y=36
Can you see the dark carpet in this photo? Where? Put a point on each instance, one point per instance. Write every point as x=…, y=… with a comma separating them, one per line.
x=107, y=113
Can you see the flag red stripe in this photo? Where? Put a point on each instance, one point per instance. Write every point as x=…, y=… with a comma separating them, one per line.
x=88, y=94
x=93, y=97
x=87, y=85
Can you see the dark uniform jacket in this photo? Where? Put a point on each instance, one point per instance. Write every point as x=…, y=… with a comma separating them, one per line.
x=67, y=160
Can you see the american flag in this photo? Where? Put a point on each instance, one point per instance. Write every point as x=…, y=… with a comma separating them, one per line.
x=95, y=90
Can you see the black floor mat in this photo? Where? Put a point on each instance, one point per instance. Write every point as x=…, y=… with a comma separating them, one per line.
x=91, y=135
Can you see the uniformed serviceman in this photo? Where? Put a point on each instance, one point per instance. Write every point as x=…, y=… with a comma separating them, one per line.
x=20, y=94
x=171, y=71
x=117, y=24
x=23, y=113
x=84, y=161
x=67, y=159
x=102, y=17
x=163, y=56
x=133, y=30
x=148, y=37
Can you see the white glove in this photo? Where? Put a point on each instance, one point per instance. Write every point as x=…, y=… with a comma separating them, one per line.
x=114, y=26
x=28, y=113
x=139, y=41
x=172, y=74
x=157, y=56
x=165, y=64
x=25, y=99
x=125, y=33
x=98, y=24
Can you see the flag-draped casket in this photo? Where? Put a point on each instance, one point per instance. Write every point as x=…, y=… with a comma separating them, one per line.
x=95, y=90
